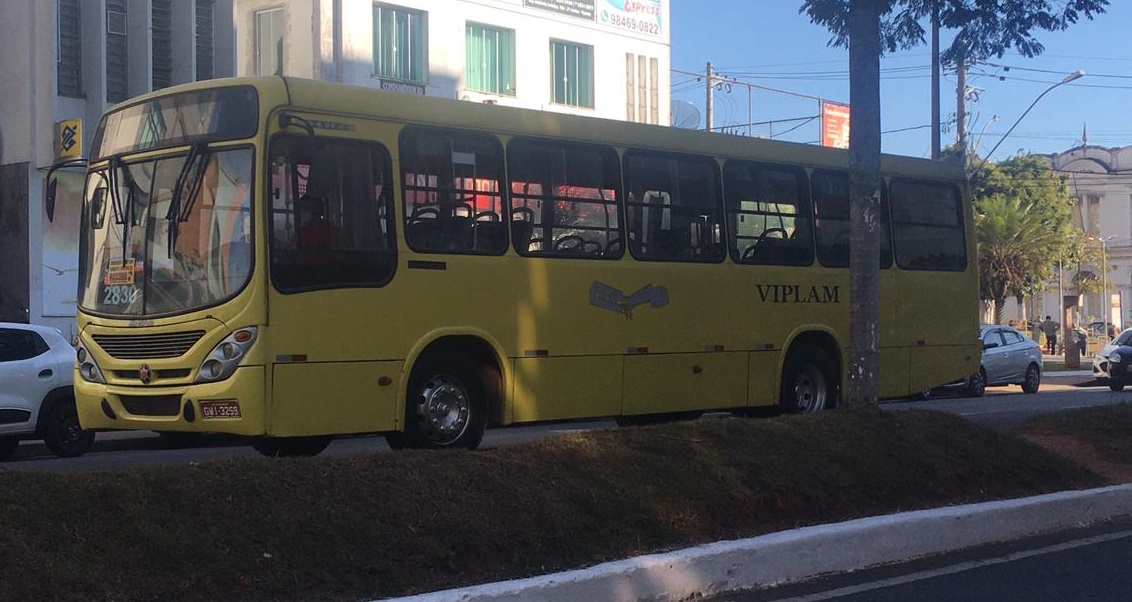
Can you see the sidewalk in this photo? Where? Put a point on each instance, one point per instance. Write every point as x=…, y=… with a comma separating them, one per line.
x=1055, y=371
x=806, y=553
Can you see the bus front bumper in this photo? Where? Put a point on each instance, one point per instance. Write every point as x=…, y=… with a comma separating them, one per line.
x=232, y=406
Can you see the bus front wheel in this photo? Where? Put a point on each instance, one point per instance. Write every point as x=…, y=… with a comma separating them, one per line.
x=446, y=406
x=291, y=447
x=809, y=381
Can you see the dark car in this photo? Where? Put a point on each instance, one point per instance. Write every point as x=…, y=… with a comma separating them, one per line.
x=1120, y=367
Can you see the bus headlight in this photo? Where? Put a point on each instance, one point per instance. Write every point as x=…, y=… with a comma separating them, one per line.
x=88, y=370
x=226, y=356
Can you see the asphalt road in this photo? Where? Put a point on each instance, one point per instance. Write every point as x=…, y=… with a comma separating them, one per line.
x=1002, y=406
x=1082, y=565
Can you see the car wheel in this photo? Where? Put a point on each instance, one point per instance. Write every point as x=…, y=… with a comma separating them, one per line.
x=291, y=447
x=1115, y=385
x=1033, y=379
x=446, y=406
x=8, y=446
x=977, y=385
x=63, y=434
x=809, y=381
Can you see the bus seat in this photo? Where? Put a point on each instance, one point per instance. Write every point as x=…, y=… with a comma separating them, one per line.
x=423, y=235
x=489, y=237
x=457, y=234
x=521, y=233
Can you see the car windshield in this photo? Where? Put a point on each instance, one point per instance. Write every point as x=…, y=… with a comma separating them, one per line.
x=1124, y=339
x=168, y=235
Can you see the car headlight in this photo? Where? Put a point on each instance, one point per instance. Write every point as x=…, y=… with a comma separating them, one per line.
x=1115, y=358
x=226, y=356
x=88, y=370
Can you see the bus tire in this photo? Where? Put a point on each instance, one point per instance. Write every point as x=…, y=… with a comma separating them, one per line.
x=809, y=381
x=446, y=407
x=291, y=447
x=62, y=433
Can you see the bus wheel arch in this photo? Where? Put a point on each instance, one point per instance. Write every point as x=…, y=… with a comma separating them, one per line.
x=811, y=376
x=454, y=392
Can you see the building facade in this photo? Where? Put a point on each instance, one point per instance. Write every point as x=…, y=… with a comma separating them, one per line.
x=65, y=62
x=1100, y=182
x=603, y=58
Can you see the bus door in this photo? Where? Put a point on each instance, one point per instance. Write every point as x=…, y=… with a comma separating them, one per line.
x=333, y=330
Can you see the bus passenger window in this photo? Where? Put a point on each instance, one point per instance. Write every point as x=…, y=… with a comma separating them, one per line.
x=674, y=207
x=830, y=193
x=769, y=214
x=329, y=205
x=453, y=199
x=564, y=199
x=927, y=224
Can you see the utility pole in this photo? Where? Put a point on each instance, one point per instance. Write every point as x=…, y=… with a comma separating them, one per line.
x=710, y=97
x=935, y=81
x=961, y=107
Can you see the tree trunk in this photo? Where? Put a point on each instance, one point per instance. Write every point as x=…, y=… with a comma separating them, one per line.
x=864, y=202
x=999, y=306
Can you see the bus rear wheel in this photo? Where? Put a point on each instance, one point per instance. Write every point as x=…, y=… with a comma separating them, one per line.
x=809, y=381
x=446, y=406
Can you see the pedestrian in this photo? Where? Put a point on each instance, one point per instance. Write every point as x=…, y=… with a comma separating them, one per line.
x=1050, y=328
x=1082, y=339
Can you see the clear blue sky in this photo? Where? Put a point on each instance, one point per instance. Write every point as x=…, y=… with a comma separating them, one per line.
x=768, y=43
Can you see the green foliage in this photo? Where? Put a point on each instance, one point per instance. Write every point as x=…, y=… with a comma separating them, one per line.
x=1023, y=226
x=983, y=29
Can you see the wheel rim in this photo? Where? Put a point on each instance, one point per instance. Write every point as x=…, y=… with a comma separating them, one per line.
x=1032, y=378
x=70, y=432
x=978, y=381
x=810, y=389
x=444, y=409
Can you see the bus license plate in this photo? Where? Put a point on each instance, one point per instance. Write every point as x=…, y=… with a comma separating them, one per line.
x=220, y=408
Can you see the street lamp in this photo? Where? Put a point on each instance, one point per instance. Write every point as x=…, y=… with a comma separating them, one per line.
x=1068, y=78
x=1105, y=301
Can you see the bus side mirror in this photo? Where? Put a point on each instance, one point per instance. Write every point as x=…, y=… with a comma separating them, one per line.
x=49, y=197
x=51, y=189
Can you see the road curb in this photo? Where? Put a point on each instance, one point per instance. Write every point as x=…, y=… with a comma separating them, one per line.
x=804, y=553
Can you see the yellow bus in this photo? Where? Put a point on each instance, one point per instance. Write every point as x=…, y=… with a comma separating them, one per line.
x=292, y=260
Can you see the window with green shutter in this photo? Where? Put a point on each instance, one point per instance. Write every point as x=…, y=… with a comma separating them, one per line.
x=400, y=43
x=572, y=74
x=490, y=60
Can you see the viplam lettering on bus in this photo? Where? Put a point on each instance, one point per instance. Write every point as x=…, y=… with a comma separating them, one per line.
x=797, y=293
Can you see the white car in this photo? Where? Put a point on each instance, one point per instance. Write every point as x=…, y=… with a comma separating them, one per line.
x=37, y=400
x=1100, y=360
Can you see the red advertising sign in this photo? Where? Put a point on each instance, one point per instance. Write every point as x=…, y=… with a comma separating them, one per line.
x=834, y=125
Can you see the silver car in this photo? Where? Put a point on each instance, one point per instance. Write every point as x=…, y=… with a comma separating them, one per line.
x=1100, y=360
x=1009, y=358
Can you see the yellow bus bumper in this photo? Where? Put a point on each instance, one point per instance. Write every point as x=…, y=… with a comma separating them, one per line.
x=232, y=406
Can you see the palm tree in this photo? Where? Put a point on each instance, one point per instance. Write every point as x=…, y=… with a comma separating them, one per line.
x=1012, y=239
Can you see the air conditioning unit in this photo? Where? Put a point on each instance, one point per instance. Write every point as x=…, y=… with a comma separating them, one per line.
x=115, y=23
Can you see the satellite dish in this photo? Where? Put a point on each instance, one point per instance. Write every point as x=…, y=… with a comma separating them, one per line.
x=684, y=115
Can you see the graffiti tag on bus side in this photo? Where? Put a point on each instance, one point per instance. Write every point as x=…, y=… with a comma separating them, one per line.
x=794, y=293
x=606, y=297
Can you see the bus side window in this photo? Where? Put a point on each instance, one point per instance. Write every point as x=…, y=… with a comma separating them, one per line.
x=830, y=194
x=927, y=223
x=564, y=199
x=340, y=184
x=453, y=199
x=769, y=211
x=674, y=207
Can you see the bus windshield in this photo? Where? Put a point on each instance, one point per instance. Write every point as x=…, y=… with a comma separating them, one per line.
x=168, y=235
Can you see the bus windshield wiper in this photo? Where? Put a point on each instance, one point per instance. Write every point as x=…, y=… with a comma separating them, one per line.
x=192, y=175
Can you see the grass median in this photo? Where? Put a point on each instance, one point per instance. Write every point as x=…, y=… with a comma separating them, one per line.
x=370, y=526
